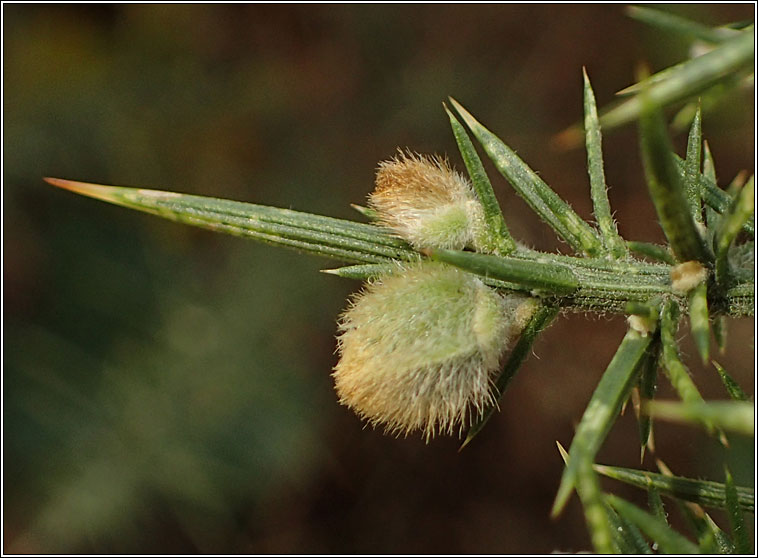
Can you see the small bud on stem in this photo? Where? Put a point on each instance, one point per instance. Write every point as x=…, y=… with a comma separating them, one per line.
x=426, y=203
x=419, y=348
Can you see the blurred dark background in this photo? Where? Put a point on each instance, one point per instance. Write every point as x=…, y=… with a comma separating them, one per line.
x=167, y=389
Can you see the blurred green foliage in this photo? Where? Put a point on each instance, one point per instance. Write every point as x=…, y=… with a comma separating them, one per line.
x=167, y=389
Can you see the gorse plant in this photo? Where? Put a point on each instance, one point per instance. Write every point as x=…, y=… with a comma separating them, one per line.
x=451, y=298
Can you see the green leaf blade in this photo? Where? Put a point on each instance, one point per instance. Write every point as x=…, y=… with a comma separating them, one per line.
x=647, y=386
x=700, y=320
x=736, y=519
x=553, y=278
x=720, y=329
x=602, y=410
x=668, y=540
x=628, y=537
x=363, y=272
x=598, y=189
x=655, y=504
x=734, y=416
x=730, y=225
x=723, y=544
x=666, y=189
x=498, y=239
x=675, y=370
x=595, y=510
x=540, y=197
x=692, y=166
x=732, y=387
x=652, y=251
x=315, y=234
x=688, y=79
x=678, y=24
x=712, y=195
x=705, y=493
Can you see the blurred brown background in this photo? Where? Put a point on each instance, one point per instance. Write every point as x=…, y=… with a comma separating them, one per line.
x=167, y=390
